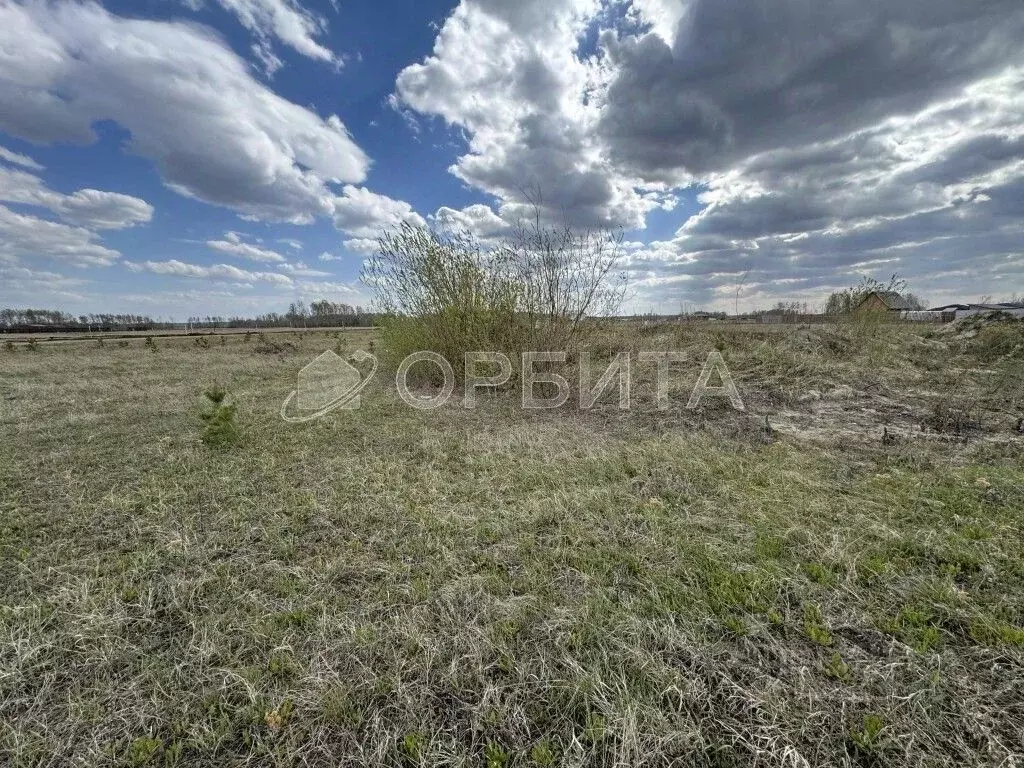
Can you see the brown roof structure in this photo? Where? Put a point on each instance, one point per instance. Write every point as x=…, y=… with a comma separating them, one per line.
x=890, y=299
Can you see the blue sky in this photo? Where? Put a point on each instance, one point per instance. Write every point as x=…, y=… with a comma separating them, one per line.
x=196, y=157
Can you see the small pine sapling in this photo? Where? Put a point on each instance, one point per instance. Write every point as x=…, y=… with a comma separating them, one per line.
x=219, y=428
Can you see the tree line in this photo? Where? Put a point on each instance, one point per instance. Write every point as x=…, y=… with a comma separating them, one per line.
x=55, y=319
x=318, y=314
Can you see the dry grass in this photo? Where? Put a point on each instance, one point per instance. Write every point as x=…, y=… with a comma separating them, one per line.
x=391, y=587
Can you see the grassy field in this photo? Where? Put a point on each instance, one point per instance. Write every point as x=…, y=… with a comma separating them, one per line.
x=505, y=588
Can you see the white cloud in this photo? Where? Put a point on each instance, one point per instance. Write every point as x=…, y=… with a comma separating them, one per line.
x=827, y=141
x=934, y=195
x=310, y=289
x=366, y=246
x=733, y=80
x=364, y=214
x=90, y=208
x=479, y=220
x=232, y=244
x=509, y=76
x=325, y=256
x=22, y=235
x=298, y=269
x=663, y=16
x=177, y=268
x=96, y=209
x=286, y=21
x=189, y=101
x=23, y=285
x=15, y=158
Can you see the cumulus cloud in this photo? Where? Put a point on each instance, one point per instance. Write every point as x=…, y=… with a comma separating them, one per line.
x=89, y=208
x=22, y=235
x=232, y=244
x=479, y=220
x=737, y=78
x=934, y=195
x=661, y=16
x=96, y=209
x=325, y=256
x=509, y=76
x=363, y=214
x=825, y=140
x=22, y=285
x=312, y=289
x=176, y=268
x=25, y=235
x=65, y=66
x=818, y=141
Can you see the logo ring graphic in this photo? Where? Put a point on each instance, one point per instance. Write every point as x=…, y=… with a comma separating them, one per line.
x=347, y=398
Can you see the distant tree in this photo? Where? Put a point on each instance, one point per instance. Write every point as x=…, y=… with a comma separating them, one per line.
x=297, y=313
x=913, y=302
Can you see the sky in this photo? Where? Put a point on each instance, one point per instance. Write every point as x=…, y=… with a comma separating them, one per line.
x=181, y=158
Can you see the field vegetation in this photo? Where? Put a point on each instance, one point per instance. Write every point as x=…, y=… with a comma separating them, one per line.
x=833, y=577
x=531, y=292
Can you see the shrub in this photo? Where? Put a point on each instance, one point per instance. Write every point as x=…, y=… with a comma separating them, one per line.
x=565, y=277
x=953, y=412
x=266, y=346
x=442, y=293
x=998, y=340
x=9, y=346
x=449, y=294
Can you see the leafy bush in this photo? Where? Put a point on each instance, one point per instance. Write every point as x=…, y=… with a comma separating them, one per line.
x=533, y=292
x=442, y=293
